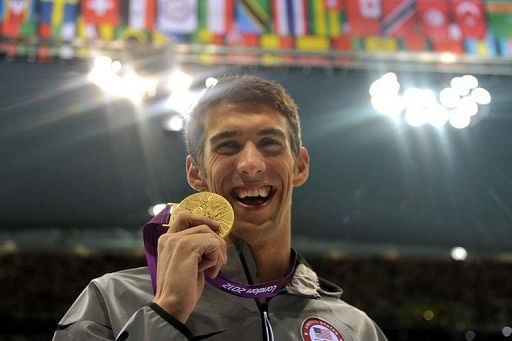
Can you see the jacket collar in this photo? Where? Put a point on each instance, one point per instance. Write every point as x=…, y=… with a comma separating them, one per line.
x=241, y=267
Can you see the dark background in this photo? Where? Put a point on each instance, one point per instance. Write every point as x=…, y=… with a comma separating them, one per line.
x=384, y=204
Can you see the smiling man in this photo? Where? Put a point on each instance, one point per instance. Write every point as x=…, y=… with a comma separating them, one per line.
x=244, y=144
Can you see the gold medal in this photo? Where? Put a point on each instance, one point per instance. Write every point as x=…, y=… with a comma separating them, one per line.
x=210, y=205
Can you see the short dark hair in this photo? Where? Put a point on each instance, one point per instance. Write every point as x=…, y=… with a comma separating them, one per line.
x=242, y=91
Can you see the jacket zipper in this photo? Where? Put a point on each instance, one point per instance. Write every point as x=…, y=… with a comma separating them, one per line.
x=262, y=307
x=267, y=327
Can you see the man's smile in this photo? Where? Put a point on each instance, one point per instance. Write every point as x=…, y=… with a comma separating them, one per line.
x=253, y=196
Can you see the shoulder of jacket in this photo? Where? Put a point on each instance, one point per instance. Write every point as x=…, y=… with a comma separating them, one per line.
x=123, y=278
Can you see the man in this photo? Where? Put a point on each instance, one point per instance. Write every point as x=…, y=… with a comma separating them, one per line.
x=244, y=143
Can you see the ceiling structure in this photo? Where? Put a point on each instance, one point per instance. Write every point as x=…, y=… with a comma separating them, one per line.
x=73, y=159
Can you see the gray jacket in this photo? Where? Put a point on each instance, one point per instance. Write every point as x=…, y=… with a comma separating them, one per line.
x=117, y=306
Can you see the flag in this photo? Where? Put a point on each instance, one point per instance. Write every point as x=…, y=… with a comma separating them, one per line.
x=500, y=19
x=177, y=16
x=69, y=18
x=434, y=18
x=399, y=18
x=325, y=17
x=363, y=17
x=45, y=18
x=141, y=14
x=253, y=16
x=220, y=16
x=380, y=44
x=18, y=17
x=101, y=12
x=290, y=17
x=312, y=43
x=482, y=47
x=322, y=333
x=448, y=44
x=342, y=43
x=470, y=16
x=505, y=46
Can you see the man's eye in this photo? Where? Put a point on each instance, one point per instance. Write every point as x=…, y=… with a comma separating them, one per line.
x=228, y=147
x=270, y=143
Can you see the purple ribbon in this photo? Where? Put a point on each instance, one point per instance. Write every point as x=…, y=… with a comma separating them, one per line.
x=154, y=229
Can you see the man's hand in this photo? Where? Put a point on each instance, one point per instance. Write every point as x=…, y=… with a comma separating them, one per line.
x=188, y=250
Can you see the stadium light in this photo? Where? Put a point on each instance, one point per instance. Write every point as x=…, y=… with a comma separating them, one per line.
x=155, y=209
x=174, y=123
x=458, y=253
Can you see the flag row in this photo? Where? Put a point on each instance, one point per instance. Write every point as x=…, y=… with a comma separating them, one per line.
x=460, y=26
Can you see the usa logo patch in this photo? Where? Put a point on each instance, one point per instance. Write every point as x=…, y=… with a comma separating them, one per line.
x=316, y=329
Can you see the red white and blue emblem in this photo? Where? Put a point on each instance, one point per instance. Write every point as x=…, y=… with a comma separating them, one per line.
x=316, y=329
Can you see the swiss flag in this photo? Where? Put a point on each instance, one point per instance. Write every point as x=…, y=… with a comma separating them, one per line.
x=470, y=16
x=434, y=18
x=101, y=12
x=363, y=17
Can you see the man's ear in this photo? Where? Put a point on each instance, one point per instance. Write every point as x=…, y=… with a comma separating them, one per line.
x=195, y=175
x=302, y=170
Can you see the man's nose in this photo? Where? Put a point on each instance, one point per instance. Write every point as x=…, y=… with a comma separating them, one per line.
x=250, y=161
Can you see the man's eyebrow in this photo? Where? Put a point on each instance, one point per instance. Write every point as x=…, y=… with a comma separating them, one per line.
x=272, y=131
x=223, y=135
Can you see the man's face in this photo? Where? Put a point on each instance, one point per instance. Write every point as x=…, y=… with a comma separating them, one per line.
x=248, y=160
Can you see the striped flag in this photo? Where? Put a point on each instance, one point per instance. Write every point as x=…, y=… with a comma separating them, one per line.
x=290, y=17
x=500, y=18
x=253, y=16
x=399, y=18
x=325, y=17
x=482, y=47
x=141, y=14
x=505, y=46
x=69, y=18
x=220, y=16
x=45, y=18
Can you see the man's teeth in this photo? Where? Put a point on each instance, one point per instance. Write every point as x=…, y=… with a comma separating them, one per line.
x=253, y=192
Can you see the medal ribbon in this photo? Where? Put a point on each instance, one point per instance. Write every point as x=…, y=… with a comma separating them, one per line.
x=154, y=229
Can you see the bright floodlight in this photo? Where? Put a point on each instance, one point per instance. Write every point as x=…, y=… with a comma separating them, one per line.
x=449, y=97
x=210, y=81
x=506, y=331
x=183, y=102
x=384, y=86
x=175, y=123
x=155, y=209
x=481, y=96
x=391, y=106
x=133, y=87
x=415, y=116
x=470, y=81
x=468, y=106
x=179, y=81
x=102, y=63
x=437, y=115
x=419, y=97
x=460, y=85
x=458, y=119
x=459, y=253
x=116, y=66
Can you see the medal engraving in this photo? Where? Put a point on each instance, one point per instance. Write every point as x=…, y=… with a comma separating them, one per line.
x=210, y=205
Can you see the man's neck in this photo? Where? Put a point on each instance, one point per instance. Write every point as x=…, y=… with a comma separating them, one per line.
x=272, y=259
